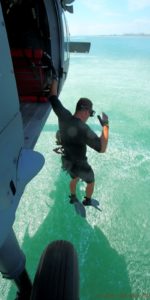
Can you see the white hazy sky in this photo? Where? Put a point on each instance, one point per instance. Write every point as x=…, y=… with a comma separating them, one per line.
x=94, y=17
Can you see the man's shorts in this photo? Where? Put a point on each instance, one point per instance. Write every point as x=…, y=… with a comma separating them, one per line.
x=79, y=169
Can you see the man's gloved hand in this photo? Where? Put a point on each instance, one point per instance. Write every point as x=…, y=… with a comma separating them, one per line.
x=103, y=120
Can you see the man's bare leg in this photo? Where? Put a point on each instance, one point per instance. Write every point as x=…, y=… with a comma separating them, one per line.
x=89, y=192
x=89, y=189
x=73, y=184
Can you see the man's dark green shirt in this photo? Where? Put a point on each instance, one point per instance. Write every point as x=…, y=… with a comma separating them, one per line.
x=75, y=134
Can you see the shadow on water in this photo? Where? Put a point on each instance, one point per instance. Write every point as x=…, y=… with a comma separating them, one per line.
x=103, y=272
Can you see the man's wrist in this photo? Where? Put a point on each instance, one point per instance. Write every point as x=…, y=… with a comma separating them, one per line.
x=106, y=124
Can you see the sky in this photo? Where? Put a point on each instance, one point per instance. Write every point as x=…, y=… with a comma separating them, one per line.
x=95, y=17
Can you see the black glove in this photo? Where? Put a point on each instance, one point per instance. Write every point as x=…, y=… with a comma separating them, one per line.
x=103, y=120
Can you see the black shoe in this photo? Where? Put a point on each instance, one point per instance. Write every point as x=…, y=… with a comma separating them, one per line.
x=87, y=201
x=73, y=199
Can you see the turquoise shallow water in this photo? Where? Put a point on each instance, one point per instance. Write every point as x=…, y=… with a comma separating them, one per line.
x=113, y=245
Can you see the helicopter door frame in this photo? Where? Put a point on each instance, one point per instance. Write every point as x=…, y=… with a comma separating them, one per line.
x=53, y=13
x=59, y=38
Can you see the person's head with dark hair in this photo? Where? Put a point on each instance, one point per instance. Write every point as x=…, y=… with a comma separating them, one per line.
x=84, y=108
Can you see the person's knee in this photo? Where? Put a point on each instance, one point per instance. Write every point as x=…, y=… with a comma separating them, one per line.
x=90, y=183
x=76, y=179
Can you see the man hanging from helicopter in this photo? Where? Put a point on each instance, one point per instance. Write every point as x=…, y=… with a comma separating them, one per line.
x=74, y=136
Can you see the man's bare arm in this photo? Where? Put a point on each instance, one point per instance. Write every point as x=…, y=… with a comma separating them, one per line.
x=54, y=88
x=104, y=138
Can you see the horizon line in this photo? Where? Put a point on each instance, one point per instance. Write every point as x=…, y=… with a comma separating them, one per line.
x=112, y=34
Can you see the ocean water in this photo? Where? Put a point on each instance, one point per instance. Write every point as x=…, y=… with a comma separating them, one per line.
x=113, y=245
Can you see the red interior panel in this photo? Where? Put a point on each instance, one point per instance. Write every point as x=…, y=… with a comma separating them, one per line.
x=30, y=74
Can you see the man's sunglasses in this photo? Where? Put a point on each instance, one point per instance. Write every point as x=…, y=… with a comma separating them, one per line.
x=92, y=113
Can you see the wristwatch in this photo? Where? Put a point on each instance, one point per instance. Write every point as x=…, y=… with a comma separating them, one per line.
x=106, y=123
